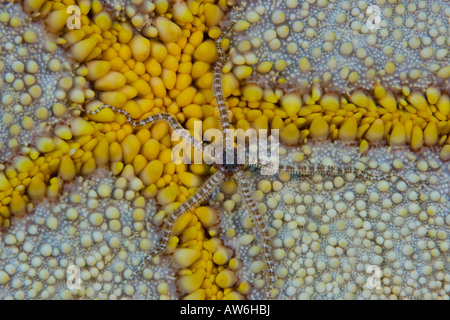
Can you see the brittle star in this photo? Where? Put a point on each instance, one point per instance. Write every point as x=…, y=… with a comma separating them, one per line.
x=226, y=170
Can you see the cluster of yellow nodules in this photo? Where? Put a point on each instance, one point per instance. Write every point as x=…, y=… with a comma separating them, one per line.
x=411, y=118
x=25, y=180
x=42, y=171
x=207, y=269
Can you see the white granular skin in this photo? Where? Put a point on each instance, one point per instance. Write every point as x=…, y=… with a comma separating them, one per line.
x=293, y=44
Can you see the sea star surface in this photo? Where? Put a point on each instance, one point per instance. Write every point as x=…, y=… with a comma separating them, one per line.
x=358, y=90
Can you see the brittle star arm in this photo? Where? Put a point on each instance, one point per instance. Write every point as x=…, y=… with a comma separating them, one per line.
x=168, y=118
x=193, y=202
x=222, y=110
x=311, y=170
x=330, y=171
x=333, y=171
x=244, y=190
